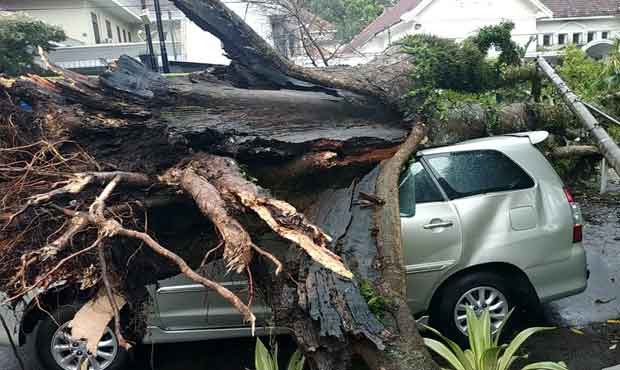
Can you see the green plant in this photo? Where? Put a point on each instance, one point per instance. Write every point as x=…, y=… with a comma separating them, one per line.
x=19, y=37
x=485, y=352
x=500, y=37
x=377, y=304
x=265, y=360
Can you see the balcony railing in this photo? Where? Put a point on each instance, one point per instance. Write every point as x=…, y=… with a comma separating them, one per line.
x=88, y=56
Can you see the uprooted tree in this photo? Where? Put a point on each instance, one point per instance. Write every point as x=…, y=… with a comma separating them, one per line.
x=115, y=182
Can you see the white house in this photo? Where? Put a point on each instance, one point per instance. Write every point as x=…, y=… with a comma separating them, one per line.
x=100, y=31
x=97, y=30
x=549, y=24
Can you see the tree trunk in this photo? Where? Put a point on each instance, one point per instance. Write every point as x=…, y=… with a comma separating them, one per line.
x=328, y=143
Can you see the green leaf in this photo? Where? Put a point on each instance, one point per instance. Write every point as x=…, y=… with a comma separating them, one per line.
x=456, y=349
x=443, y=351
x=297, y=361
x=516, y=343
x=262, y=357
x=546, y=366
x=489, y=358
x=501, y=327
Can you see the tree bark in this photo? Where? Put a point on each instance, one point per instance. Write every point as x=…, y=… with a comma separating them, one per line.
x=205, y=137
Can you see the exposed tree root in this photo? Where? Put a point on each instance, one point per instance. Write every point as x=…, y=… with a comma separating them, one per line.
x=237, y=242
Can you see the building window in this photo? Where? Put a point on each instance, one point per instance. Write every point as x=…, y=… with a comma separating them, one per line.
x=591, y=36
x=118, y=31
x=605, y=35
x=547, y=40
x=576, y=38
x=108, y=28
x=95, y=21
x=562, y=38
x=279, y=34
x=124, y=35
x=129, y=35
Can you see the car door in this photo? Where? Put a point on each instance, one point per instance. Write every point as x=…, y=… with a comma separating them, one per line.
x=497, y=202
x=181, y=304
x=431, y=234
x=220, y=312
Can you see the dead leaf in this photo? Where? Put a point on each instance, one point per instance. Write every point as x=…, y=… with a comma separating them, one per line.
x=604, y=301
x=577, y=331
x=92, y=319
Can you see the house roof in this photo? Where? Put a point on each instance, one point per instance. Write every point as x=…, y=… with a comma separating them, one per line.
x=582, y=8
x=390, y=17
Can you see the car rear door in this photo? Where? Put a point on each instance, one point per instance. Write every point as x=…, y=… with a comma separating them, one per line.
x=496, y=200
x=431, y=234
x=184, y=305
x=181, y=304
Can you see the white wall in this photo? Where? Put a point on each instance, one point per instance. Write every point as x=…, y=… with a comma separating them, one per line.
x=203, y=47
x=73, y=16
x=75, y=22
x=458, y=19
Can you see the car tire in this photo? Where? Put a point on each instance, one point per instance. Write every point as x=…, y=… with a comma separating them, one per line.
x=444, y=316
x=45, y=332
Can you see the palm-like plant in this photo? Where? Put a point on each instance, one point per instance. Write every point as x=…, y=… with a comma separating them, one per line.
x=485, y=352
x=265, y=360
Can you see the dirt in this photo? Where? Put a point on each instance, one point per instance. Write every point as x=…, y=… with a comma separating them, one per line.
x=592, y=348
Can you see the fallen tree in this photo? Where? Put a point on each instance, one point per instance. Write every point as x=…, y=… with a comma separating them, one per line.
x=115, y=182
x=90, y=165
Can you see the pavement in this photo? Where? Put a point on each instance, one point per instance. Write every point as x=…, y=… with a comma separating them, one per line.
x=586, y=342
x=601, y=300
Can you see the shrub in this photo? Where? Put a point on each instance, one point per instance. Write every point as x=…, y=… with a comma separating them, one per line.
x=265, y=360
x=19, y=37
x=485, y=352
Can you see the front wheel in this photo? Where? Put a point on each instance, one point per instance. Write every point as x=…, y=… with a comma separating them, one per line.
x=480, y=291
x=57, y=350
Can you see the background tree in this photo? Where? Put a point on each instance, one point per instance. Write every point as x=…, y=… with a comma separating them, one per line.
x=20, y=35
x=319, y=29
x=349, y=16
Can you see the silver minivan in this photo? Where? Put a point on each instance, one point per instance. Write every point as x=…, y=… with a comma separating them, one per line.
x=486, y=223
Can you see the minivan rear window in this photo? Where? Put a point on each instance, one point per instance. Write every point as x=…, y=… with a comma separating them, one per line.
x=463, y=174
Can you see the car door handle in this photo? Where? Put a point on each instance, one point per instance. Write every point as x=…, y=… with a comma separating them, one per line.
x=437, y=225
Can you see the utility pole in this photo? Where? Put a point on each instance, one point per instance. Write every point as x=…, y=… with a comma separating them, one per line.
x=608, y=147
x=162, y=39
x=149, y=39
x=171, y=28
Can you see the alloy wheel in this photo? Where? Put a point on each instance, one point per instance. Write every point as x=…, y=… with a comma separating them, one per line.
x=72, y=354
x=479, y=299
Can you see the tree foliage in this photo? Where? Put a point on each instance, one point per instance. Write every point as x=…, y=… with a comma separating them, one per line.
x=19, y=37
x=442, y=65
x=349, y=16
x=499, y=37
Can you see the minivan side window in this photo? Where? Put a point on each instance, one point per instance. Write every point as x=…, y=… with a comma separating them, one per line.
x=417, y=187
x=464, y=174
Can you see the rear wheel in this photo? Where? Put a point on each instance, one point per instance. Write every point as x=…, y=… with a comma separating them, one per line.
x=480, y=291
x=57, y=350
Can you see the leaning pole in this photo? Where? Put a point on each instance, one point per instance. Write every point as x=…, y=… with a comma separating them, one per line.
x=609, y=149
